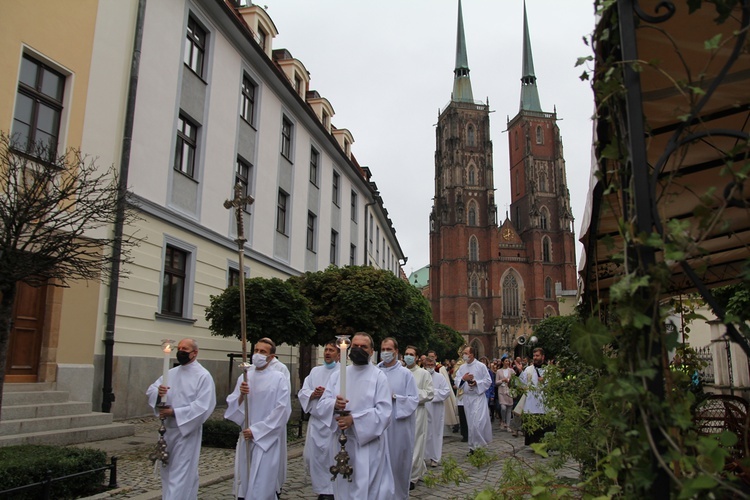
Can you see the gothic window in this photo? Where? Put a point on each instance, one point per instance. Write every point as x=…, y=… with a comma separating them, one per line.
x=548, y=288
x=511, y=302
x=474, y=286
x=539, y=135
x=472, y=177
x=470, y=136
x=472, y=215
x=543, y=218
x=549, y=311
x=543, y=180
x=546, y=250
x=473, y=249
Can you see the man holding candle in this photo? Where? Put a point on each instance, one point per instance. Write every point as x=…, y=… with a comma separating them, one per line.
x=368, y=402
x=259, y=448
x=400, y=433
x=319, y=431
x=191, y=397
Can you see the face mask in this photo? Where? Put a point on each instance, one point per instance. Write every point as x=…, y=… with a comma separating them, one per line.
x=260, y=360
x=359, y=356
x=183, y=357
x=430, y=371
x=387, y=356
x=409, y=360
x=465, y=358
x=330, y=365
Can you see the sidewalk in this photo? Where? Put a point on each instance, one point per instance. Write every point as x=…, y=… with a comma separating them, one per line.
x=137, y=480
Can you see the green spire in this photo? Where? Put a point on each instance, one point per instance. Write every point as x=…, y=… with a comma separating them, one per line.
x=529, y=93
x=461, y=82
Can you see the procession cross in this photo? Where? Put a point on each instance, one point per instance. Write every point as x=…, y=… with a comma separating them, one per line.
x=239, y=203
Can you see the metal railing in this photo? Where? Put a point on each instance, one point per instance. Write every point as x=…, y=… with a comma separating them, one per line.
x=707, y=372
x=46, y=484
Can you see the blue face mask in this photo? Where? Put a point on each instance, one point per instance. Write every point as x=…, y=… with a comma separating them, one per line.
x=409, y=359
x=386, y=356
x=329, y=365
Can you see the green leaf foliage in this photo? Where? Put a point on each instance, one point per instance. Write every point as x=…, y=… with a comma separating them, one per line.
x=445, y=341
x=274, y=308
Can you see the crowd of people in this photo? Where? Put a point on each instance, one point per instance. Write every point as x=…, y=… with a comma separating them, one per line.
x=394, y=414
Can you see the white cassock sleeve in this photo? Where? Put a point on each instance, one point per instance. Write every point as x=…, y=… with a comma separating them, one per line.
x=323, y=411
x=441, y=389
x=235, y=411
x=426, y=392
x=482, y=378
x=305, y=393
x=406, y=404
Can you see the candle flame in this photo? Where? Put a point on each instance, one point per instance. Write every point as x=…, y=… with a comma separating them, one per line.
x=167, y=349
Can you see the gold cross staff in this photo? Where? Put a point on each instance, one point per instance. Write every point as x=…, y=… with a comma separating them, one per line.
x=239, y=203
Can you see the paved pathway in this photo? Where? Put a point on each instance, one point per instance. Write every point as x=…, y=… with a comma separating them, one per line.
x=137, y=480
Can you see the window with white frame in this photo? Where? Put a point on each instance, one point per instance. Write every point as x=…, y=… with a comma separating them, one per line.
x=352, y=254
x=354, y=206
x=334, y=247
x=286, y=138
x=39, y=105
x=335, y=190
x=314, y=161
x=174, y=281
x=281, y=212
x=262, y=38
x=247, y=109
x=243, y=176
x=195, y=46
x=311, y=223
x=185, y=147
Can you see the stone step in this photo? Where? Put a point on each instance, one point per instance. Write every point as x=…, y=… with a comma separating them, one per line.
x=15, y=398
x=28, y=387
x=34, y=425
x=19, y=412
x=71, y=436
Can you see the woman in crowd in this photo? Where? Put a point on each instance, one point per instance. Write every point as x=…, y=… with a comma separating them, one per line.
x=504, y=399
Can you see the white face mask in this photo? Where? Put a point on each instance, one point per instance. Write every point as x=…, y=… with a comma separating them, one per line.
x=409, y=360
x=465, y=358
x=259, y=360
x=387, y=356
x=430, y=371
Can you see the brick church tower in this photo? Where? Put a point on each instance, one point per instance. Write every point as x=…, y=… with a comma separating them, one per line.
x=492, y=281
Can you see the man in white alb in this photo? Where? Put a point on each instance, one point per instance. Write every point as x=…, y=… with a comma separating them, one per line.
x=473, y=377
x=259, y=447
x=368, y=399
x=434, y=447
x=425, y=394
x=400, y=433
x=319, y=432
x=191, y=397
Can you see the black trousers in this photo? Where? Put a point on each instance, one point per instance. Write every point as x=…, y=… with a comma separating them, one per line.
x=462, y=422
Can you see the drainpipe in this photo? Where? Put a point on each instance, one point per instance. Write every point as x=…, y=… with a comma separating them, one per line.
x=108, y=396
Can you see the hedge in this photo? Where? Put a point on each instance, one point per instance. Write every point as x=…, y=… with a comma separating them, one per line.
x=27, y=464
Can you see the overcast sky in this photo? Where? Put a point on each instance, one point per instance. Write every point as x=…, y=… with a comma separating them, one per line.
x=387, y=68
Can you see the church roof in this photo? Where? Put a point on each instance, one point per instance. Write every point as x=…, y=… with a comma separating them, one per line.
x=420, y=278
x=461, y=82
x=529, y=92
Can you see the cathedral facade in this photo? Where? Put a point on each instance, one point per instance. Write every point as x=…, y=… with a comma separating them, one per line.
x=491, y=279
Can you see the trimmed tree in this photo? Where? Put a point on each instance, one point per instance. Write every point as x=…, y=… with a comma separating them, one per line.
x=275, y=309
x=56, y=219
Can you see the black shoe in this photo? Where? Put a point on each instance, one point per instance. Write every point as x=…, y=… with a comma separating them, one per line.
x=325, y=497
x=412, y=486
x=471, y=452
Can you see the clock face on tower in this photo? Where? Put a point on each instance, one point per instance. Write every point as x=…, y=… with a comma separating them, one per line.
x=507, y=233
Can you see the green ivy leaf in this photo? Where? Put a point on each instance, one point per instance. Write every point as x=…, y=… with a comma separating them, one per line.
x=583, y=60
x=713, y=42
x=589, y=339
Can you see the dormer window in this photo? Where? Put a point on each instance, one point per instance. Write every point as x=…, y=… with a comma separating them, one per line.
x=297, y=84
x=262, y=37
x=326, y=120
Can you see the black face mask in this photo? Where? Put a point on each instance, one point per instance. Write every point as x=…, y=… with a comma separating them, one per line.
x=183, y=357
x=359, y=356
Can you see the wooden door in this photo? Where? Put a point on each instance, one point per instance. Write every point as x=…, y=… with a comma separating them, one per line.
x=26, y=332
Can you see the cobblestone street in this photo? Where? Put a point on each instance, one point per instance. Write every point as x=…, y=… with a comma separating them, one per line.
x=137, y=479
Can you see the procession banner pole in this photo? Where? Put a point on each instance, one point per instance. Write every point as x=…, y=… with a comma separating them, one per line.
x=238, y=203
